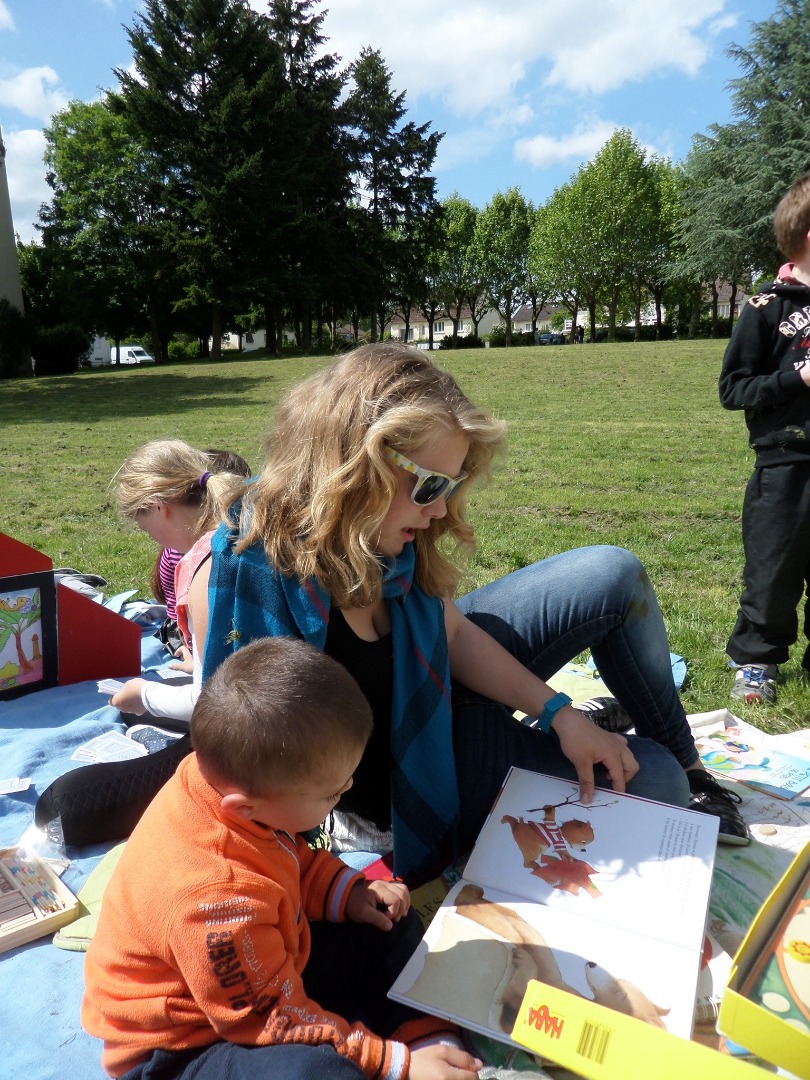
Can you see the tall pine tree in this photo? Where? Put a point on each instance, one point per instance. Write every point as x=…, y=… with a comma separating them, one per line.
x=392, y=163
x=208, y=98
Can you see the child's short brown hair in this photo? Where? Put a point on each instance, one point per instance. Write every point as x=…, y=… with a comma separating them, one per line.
x=274, y=713
x=791, y=220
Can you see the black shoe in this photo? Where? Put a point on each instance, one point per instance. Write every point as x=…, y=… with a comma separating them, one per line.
x=709, y=797
x=606, y=713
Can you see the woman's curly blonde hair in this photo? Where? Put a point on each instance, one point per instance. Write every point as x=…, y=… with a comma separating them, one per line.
x=327, y=485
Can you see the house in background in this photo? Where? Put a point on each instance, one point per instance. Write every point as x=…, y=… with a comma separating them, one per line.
x=418, y=332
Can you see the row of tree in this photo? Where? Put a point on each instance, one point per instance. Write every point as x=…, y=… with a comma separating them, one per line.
x=239, y=177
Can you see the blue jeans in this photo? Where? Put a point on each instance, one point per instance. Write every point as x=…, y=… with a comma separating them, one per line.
x=229, y=1061
x=597, y=598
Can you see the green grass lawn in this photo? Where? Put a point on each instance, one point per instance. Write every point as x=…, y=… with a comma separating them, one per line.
x=616, y=444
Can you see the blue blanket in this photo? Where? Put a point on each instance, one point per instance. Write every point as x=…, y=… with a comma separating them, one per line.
x=42, y=985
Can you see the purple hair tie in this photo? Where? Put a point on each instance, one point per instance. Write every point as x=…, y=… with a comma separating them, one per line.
x=203, y=480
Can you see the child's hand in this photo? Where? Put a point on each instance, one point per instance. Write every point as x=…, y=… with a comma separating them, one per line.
x=443, y=1063
x=184, y=660
x=381, y=903
x=128, y=699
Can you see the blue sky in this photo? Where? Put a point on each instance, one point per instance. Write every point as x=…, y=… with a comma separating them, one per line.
x=524, y=93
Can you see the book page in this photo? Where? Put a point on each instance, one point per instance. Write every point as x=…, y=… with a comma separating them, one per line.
x=622, y=862
x=483, y=947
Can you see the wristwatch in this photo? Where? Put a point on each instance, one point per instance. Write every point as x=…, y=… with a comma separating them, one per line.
x=550, y=710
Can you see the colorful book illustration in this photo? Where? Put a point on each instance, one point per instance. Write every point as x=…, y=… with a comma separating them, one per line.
x=782, y=984
x=766, y=1006
x=736, y=755
x=606, y=901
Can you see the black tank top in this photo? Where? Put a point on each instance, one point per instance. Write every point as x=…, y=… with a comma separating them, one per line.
x=372, y=665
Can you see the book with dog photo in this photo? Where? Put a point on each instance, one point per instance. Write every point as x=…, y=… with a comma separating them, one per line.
x=607, y=901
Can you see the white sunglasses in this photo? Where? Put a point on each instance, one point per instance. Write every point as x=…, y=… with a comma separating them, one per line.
x=429, y=486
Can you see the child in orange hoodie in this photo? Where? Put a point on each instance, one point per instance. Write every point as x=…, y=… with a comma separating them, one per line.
x=222, y=947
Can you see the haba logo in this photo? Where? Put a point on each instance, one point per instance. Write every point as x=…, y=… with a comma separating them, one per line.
x=543, y=1020
x=798, y=320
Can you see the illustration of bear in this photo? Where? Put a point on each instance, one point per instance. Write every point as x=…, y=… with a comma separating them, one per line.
x=546, y=850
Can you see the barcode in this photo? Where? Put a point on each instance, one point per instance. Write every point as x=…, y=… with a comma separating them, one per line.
x=593, y=1041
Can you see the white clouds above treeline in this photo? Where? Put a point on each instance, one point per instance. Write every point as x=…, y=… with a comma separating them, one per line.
x=506, y=74
x=34, y=92
x=474, y=54
x=496, y=78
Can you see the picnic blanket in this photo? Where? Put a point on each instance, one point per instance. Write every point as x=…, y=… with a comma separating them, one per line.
x=43, y=985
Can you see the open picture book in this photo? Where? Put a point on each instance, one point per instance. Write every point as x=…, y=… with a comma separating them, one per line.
x=607, y=901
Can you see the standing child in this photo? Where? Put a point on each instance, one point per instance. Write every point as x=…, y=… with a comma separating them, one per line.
x=766, y=373
x=226, y=946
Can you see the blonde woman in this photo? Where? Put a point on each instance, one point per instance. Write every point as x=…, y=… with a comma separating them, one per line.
x=347, y=540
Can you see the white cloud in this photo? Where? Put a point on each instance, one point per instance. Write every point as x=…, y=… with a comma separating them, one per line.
x=6, y=18
x=478, y=55
x=26, y=179
x=630, y=41
x=544, y=151
x=28, y=93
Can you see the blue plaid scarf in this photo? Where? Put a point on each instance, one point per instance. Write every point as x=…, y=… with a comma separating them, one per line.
x=249, y=599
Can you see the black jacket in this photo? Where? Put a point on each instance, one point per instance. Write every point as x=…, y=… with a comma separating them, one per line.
x=760, y=374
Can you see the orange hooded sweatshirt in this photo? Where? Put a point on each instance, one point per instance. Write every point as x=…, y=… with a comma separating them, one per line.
x=204, y=935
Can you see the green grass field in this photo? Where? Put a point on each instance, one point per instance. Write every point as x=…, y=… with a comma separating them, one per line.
x=616, y=444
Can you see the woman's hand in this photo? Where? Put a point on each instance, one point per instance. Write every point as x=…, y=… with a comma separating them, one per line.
x=128, y=699
x=381, y=903
x=586, y=745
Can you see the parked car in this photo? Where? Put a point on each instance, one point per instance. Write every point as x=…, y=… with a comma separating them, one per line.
x=551, y=338
x=132, y=354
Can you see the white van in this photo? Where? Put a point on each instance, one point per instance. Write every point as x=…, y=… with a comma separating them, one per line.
x=131, y=354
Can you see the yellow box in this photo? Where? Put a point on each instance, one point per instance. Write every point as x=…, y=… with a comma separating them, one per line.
x=602, y=1044
x=775, y=952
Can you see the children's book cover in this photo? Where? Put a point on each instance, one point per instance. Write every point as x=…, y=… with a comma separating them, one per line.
x=739, y=755
x=606, y=901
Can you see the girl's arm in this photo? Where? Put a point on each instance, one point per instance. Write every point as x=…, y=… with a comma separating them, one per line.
x=142, y=695
x=479, y=662
x=198, y=607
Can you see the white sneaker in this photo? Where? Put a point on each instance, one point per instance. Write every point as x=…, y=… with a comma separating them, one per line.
x=755, y=684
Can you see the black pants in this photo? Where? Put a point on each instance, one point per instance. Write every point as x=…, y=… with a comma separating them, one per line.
x=776, y=541
x=102, y=802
